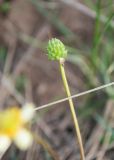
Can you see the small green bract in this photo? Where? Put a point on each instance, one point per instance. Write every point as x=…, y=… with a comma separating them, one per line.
x=56, y=49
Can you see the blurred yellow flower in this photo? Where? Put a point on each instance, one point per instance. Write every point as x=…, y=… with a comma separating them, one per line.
x=13, y=127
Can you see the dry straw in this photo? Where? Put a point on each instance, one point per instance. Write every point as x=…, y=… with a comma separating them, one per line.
x=74, y=96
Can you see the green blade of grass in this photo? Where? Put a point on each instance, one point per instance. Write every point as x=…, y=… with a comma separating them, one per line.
x=53, y=19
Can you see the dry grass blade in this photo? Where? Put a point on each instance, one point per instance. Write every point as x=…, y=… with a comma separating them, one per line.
x=74, y=96
x=97, y=135
x=46, y=146
x=85, y=10
x=10, y=87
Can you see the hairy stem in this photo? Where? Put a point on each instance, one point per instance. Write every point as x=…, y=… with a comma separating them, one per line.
x=72, y=109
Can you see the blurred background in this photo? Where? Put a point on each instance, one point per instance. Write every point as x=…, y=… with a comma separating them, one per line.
x=87, y=29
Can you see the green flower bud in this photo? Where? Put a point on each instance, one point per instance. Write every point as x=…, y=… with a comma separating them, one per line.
x=56, y=49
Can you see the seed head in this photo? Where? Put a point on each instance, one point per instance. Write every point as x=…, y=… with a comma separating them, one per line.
x=56, y=49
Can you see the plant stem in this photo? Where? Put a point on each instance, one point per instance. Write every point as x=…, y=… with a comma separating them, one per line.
x=72, y=109
x=46, y=146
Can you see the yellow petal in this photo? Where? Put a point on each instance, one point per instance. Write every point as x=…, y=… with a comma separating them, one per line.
x=4, y=143
x=27, y=112
x=10, y=121
x=23, y=139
